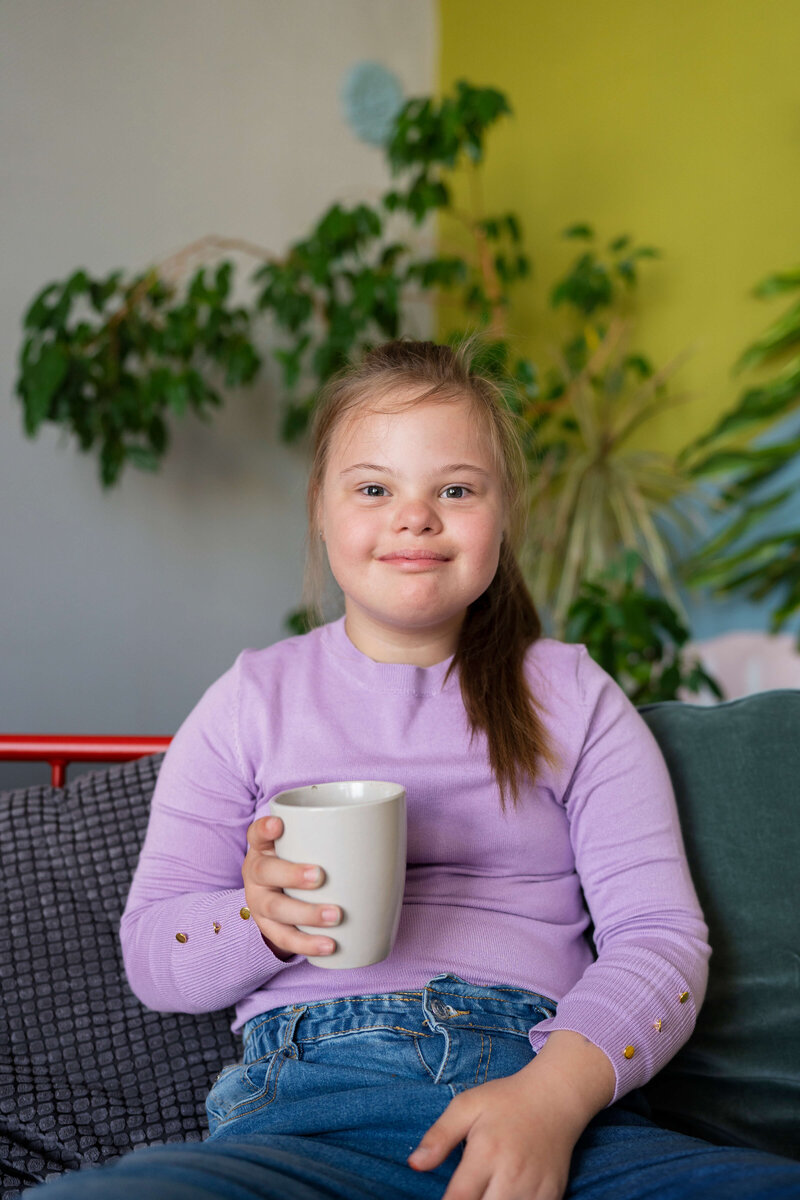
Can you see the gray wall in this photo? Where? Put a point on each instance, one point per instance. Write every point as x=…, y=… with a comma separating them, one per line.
x=129, y=131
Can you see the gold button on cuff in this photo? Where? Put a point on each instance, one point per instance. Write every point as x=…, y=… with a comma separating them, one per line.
x=684, y=996
x=629, y=1051
x=215, y=925
x=181, y=937
x=657, y=1024
x=244, y=913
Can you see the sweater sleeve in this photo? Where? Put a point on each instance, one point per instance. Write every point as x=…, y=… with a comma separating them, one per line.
x=638, y=1001
x=186, y=944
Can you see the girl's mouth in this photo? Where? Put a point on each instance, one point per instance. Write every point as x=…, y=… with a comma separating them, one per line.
x=413, y=560
x=414, y=556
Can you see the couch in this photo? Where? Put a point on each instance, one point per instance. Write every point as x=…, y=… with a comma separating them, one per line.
x=87, y=1073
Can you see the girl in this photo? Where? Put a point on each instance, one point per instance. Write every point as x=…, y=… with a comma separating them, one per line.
x=490, y=1056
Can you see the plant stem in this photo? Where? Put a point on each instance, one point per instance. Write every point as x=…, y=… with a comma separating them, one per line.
x=488, y=271
x=212, y=241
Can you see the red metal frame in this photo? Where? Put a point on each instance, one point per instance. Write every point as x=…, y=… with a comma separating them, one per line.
x=59, y=750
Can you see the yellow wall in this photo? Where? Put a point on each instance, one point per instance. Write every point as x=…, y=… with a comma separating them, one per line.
x=677, y=121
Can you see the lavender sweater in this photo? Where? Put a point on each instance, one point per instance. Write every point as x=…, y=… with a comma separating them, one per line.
x=495, y=899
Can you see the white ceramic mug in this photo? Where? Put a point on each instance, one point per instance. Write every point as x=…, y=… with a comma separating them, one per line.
x=356, y=831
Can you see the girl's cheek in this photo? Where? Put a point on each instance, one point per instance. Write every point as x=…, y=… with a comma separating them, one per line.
x=354, y=532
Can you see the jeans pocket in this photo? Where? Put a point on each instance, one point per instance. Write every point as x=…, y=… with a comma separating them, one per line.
x=243, y=1087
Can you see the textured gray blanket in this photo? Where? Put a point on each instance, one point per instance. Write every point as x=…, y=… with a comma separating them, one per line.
x=86, y=1073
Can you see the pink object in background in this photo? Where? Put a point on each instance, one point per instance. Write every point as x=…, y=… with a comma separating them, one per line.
x=747, y=661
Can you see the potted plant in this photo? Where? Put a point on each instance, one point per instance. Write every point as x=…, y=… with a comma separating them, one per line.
x=116, y=361
x=757, y=475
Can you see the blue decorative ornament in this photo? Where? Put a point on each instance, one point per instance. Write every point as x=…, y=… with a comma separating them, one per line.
x=371, y=97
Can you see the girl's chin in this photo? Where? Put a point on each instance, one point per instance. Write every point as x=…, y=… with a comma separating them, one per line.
x=413, y=621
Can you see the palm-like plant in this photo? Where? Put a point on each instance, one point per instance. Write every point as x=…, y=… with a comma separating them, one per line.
x=593, y=494
x=741, y=558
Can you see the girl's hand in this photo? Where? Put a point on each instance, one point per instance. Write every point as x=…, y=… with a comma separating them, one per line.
x=518, y=1147
x=521, y=1130
x=275, y=914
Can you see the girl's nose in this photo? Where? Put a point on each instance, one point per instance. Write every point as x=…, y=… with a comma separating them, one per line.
x=417, y=517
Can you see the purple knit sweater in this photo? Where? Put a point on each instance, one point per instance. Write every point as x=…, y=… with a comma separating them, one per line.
x=496, y=899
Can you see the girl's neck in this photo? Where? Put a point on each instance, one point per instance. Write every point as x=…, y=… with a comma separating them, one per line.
x=418, y=648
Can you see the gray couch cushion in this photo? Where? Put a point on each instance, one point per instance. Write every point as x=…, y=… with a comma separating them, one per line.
x=736, y=772
x=86, y=1073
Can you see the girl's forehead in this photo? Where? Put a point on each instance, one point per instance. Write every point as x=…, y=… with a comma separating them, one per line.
x=376, y=420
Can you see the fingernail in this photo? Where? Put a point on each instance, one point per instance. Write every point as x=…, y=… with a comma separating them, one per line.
x=311, y=874
x=327, y=947
x=330, y=916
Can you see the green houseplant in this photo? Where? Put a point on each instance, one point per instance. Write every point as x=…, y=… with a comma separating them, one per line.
x=759, y=479
x=593, y=492
x=636, y=636
x=115, y=362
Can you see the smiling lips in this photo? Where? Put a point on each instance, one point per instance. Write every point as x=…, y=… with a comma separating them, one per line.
x=410, y=557
x=414, y=558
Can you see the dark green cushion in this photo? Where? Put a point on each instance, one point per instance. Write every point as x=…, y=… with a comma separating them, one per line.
x=736, y=772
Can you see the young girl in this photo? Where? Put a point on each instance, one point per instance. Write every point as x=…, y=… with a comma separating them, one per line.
x=491, y=1055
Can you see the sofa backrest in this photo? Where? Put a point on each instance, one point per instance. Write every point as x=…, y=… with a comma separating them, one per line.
x=736, y=772
x=87, y=1073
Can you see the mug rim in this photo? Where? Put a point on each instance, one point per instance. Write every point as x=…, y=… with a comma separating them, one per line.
x=285, y=799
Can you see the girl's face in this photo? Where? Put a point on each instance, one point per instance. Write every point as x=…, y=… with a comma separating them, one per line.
x=412, y=515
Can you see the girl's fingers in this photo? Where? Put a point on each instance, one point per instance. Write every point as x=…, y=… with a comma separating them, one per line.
x=442, y=1137
x=269, y=871
x=276, y=914
x=287, y=911
x=263, y=866
x=262, y=833
x=294, y=941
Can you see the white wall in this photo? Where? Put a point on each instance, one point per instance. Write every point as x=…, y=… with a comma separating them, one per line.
x=128, y=131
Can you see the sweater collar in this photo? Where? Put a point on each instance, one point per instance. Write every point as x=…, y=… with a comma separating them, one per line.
x=402, y=678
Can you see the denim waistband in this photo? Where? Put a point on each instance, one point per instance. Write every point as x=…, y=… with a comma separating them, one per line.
x=445, y=1001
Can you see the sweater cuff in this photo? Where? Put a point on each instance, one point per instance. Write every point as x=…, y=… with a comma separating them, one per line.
x=636, y=1046
x=223, y=943
x=204, y=952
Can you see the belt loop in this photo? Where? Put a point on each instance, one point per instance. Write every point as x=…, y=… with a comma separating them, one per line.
x=290, y=1025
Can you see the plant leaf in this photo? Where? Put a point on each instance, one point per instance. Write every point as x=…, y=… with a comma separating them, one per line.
x=43, y=378
x=580, y=230
x=779, y=337
x=778, y=283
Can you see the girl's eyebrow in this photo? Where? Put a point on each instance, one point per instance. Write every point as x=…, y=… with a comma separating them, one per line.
x=448, y=469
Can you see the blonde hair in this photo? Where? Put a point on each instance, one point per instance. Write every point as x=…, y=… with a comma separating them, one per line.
x=502, y=623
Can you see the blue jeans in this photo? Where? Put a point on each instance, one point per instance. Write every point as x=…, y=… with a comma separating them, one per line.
x=332, y=1097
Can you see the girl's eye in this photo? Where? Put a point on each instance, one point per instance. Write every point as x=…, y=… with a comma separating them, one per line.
x=456, y=491
x=372, y=489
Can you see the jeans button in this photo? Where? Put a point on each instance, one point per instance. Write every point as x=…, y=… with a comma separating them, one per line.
x=439, y=1010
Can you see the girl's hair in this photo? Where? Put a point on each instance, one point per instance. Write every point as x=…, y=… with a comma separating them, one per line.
x=502, y=623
